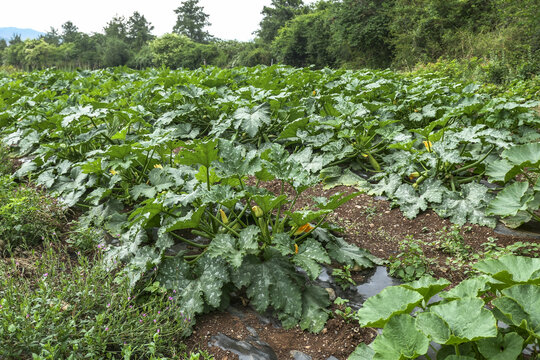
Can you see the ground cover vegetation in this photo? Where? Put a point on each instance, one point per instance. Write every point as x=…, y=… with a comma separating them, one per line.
x=498, y=38
x=169, y=167
x=60, y=300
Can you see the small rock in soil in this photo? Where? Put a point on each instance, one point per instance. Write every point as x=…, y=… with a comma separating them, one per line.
x=298, y=355
x=252, y=349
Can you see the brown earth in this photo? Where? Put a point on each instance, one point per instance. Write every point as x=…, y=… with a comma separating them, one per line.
x=373, y=225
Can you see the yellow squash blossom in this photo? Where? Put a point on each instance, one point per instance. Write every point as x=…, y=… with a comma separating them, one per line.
x=158, y=166
x=295, y=249
x=113, y=172
x=428, y=145
x=303, y=229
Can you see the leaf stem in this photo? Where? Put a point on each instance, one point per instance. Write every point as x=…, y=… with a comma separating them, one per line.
x=474, y=164
x=218, y=221
x=189, y=242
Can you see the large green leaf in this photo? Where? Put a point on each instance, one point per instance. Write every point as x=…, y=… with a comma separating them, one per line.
x=511, y=269
x=433, y=326
x=289, y=131
x=200, y=152
x=271, y=282
x=267, y=203
x=174, y=273
x=400, y=339
x=503, y=347
x=315, y=300
x=509, y=201
x=473, y=287
x=335, y=201
x=521, y=304
x=362, y=352
x=501, y=170
x=345, y=177
x=309, y=257
x=465, y=319
x=222, y=194
x=393, y=300
x=250, y=120
x=237, y=161
x=206, y=287
x=349, y=254
x=427, y=286
x=412, y=202
x=188, y=221
x=232, y=249
x=303, y=217
x=527, y=155
x=467, y=206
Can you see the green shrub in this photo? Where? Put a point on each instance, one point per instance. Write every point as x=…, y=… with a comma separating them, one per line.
x=6, y=164
x=27, y=215
x=56, y=308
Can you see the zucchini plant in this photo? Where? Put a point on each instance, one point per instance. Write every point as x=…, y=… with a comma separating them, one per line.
x=519, y=169
x=239, y=237
x=495, y=315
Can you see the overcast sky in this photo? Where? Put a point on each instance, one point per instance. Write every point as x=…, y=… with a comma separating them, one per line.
x=230, y=19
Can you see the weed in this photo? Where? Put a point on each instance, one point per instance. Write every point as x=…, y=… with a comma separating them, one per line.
x=450, y=241
x=27, y=216
x=411, y=263
x=63, y=308
x=494, y=250
x=345, y=312
x=84, y=238
x=370, y=211
x=6, y=164
x=343, y=277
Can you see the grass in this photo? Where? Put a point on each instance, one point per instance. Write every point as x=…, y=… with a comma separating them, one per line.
x=59, y=299
x=55, y=304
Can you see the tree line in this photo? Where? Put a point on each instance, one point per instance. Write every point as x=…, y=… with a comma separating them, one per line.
x=330, y=33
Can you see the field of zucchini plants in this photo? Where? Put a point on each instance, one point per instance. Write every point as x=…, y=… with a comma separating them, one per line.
x=172, y=166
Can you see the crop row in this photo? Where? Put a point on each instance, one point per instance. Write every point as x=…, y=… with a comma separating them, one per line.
x=172, y=164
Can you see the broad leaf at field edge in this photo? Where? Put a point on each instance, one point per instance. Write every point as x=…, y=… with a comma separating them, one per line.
x=393, y=300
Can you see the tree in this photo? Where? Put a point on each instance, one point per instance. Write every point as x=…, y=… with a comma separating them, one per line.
x=191, y=21
x=362, y=33
x=115, y=52
x=3, y=46
x=139, y=30
x=176, y=51
x=39, y=54
x=276, y=16
x=117, y=28
x=70, y=32
x=306, y=40
x=14, y=53
x=15, y=39
x=52, y=37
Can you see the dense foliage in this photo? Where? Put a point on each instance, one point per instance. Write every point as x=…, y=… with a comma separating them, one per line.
x=501, y=37
x=171, y=164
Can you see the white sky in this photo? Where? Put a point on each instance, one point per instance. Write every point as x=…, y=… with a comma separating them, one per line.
x=230, y=19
